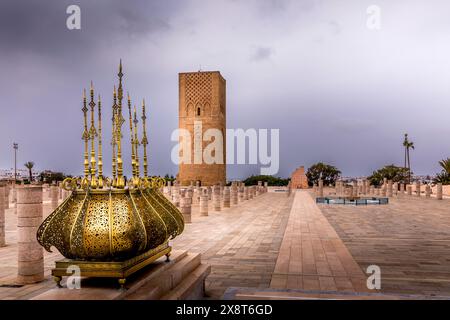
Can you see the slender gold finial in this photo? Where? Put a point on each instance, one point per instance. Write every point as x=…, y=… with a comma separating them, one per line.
x=133, y=159
x=113, y=138
x=93, y=134
x=119, y=122
x=100, y=155
x=136, y=144
x=144, y=139
x=85, y=137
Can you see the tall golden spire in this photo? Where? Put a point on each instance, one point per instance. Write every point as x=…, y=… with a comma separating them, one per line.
x=144, y=139
x=93, y=134
x=114, y=139
x=136, y=144
x=133, y=159
x=119, y=121
x=85, y=137
x=100, y=155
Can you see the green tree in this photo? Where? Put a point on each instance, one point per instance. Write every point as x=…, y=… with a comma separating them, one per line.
x=408, y=145
x=29, y=165
x=390, y=172
x=444, y=176
x=50, y=176
x=271, y=180
x=328, y=173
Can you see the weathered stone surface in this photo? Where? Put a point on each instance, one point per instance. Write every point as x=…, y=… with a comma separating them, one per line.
x=29, y=217
x=298, y=179
x=202, y=106
x=226, y=197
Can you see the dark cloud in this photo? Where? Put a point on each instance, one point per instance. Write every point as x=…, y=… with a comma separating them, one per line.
x=261, y=53
x=337, y=91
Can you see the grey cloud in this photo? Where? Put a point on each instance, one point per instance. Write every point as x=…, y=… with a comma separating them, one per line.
x=261, y=53
x=345, y=99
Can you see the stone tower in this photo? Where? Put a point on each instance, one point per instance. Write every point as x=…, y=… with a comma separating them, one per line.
x=202, y=106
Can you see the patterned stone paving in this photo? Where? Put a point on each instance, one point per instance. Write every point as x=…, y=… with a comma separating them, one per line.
x=312, y=256
x=241, y=243
x=409, y=239
x=246, y=246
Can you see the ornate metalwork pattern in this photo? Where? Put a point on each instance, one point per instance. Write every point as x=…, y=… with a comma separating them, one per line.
x=110, y=225
x=115, y=220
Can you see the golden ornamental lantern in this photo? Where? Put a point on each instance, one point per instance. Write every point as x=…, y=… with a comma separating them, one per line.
x=111, y=227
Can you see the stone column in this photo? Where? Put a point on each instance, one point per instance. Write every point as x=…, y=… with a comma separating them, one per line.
x=418, y=188
x=439, y=191
x=185, y=207
x=320, y=190
x=355, y=188
x=246, y=195
x=266, y=186
x=29, y=217
x=409, y=190
x=176, y=196
x=226, y=197
x=60, y=190
x=54, y=196
x=234, y=195
x=384, y=190
x=395, y=188
x=372, y=190
x=427, y=191
x=402, y=188
x=204, y=203
x=7, y=190
x=217, y=198
x=2, y=216
x=190, y=193
x=209, y=193
x=389, y=189
x=241, y=194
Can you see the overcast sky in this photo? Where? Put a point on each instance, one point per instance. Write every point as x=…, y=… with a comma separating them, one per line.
x=338, y=91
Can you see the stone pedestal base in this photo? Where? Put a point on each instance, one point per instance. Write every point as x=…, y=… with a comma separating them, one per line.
x=180, y=278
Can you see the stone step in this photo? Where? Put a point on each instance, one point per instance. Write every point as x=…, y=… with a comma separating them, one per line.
x=294, y=294
x=166, y=282
x=192, y=287
x=153, y=282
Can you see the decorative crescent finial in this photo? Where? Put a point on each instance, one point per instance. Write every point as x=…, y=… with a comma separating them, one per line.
x=100, y=155
x=133, y=158
x=85, y=137
x=136, y=143
x=144, y=139
x=93, y=134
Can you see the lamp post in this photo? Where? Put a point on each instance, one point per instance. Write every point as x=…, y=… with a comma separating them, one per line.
x=16, y=147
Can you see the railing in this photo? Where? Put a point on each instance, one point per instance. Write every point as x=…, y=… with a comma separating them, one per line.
x=352, y=201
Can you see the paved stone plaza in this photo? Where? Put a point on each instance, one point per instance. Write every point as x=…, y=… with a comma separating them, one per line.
x=277, y=242
x=409, y=239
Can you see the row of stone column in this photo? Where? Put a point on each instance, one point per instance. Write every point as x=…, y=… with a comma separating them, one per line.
x=221, y=196
x=387, y=189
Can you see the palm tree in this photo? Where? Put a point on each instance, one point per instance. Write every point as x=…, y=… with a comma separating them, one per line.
x=444, y=176
x=29, y=165
x=408, y=145
x=445, y=164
